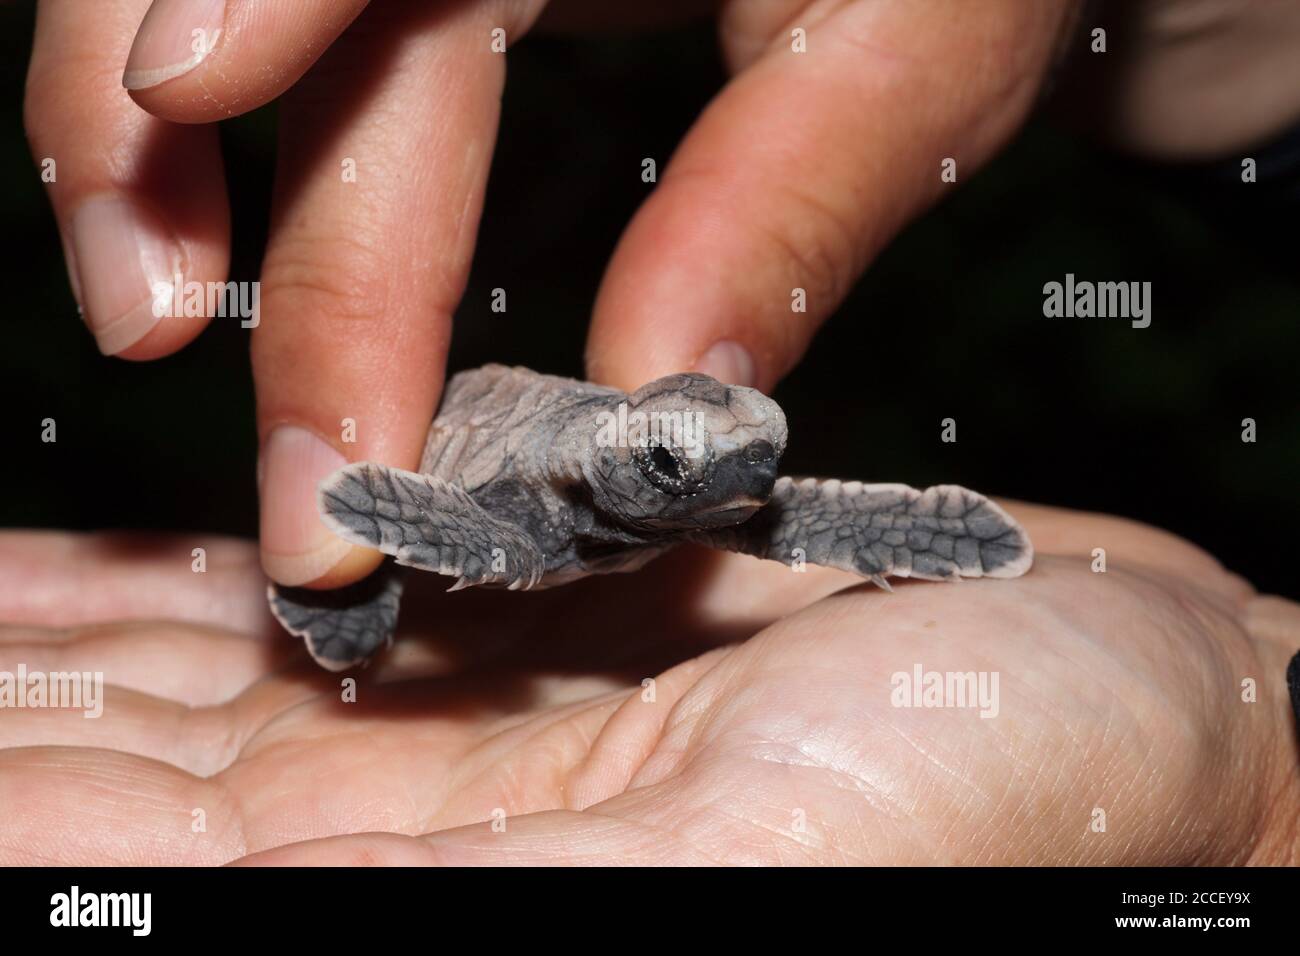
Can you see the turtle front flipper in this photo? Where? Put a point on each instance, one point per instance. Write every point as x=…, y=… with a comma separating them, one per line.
x=430, y=524
x=940, y=533
x=344, y=626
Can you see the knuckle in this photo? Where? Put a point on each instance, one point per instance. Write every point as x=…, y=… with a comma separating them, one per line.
x=333, y=277
x=819, y=244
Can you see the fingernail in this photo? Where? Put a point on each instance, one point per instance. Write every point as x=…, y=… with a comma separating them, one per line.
x=70, y=260
x=125, y=259
x=296, y=545
x=174, y=38
x=728, y=362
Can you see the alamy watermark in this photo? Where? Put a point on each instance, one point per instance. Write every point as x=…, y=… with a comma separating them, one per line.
x=1083, y=299
x=75, y=908
x=636, y=429
x=946, y=689
x=61, y=690
x=208, y=300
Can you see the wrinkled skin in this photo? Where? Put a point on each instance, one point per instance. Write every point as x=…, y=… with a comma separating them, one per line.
x=1118, y=690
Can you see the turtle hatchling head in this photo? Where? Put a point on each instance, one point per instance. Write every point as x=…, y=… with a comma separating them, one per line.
x=686, y=452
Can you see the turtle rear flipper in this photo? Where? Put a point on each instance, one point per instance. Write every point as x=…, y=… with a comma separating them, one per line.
x=344, y=626
x=940, y=533
x=429, y=524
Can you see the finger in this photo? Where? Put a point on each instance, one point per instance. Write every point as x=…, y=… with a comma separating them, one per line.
x=197, y=61
x=1275, y=620
x=801, y=170
x=60, y=580
x=138, y=201
x=187, y=696
x=549, y=838
x=153, y=808
x=183, y=663
x=114, y=718
x=1102, y=540
x=362, y=271
x=1152, y=93
x=592, y=740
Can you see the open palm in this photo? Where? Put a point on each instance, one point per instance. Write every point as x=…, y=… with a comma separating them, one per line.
x=708, y=709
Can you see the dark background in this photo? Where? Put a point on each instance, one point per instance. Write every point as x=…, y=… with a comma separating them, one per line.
x=1086, y=414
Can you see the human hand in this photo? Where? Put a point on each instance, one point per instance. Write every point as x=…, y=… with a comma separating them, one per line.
x=769, y=737
x=803, y=167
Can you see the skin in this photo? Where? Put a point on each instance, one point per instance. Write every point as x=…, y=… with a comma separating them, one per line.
x=360, y=282
x=1119, y=691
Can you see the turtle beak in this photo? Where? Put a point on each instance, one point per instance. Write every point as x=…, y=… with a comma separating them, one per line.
x=761, y=479
x=740, y=483
x=738, y=486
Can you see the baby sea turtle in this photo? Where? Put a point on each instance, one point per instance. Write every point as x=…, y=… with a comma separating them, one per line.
x=531, y=480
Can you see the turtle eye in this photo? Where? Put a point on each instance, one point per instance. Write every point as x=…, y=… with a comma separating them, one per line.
x=665, y=463
x=667, y=469
x=759, y=451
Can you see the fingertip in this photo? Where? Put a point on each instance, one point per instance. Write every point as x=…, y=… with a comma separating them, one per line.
x=342, y=566
x=658, y=314
x=166, y=338
x=199, y=61
x=726, y=360
x=139, y=202
x=128, y=273
x=297, y=548
x=174, y=38
x=605, y=367
x=729, y=362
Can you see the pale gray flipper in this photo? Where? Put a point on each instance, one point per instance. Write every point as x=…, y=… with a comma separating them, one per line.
x=940, y=533
x=430, y=524
x=344, y=626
